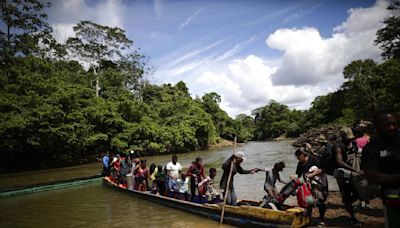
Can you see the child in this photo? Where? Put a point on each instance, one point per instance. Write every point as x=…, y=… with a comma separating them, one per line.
x=160, y=180
x=207, y=186
x=183, y=184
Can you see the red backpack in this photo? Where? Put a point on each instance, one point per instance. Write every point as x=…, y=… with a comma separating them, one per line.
x=304, y=195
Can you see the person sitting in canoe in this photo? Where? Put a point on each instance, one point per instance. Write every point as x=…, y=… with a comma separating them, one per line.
x=272, y=175
x=236, y=159
x=183, y=183
x=196, y=174
x=206, y=187
x=115, y=167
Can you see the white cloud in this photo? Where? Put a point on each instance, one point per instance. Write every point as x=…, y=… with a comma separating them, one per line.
x=311, y=65
x=68, y=13
x=309, y=59
x=245, y=84
x=236, y=49
x=189, y=19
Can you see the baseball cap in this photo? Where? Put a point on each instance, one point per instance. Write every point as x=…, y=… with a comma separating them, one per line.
x=239, y=154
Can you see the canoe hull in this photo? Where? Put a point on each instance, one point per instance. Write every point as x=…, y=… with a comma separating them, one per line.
x=231, y=215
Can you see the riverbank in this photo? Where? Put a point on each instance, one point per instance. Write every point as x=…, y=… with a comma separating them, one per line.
x=336, y=216
x=37, y=177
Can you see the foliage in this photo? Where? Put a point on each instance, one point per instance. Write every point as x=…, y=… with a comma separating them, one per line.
x=388, y=37
x=50, y=115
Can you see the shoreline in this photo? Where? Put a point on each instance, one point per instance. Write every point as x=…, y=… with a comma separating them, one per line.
x=37, y=177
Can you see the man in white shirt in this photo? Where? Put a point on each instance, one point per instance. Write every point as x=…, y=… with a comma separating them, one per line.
x=173, y=170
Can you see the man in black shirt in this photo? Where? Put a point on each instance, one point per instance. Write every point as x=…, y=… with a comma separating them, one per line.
x=381, y=162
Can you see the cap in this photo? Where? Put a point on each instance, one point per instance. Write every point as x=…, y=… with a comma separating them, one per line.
x=239, y=154
x=347, y=133
x=321, y=139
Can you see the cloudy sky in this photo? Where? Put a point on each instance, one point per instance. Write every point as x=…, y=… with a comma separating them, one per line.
x=249, y=52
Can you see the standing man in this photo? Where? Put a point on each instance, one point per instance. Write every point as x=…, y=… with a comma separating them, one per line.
x=106, y=161
x=236, y=159
x=345, y=171
x=173, y=170
x=195, y=172
x=380, y=160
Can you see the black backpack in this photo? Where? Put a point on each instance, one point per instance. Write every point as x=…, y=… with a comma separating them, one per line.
x=328, y=159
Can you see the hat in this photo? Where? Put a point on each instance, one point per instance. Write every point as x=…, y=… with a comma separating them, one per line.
x=321, y=139
x=239, y=154
x=115, y=159
x=347, y=133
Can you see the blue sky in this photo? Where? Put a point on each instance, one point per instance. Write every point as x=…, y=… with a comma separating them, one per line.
x=247, y=51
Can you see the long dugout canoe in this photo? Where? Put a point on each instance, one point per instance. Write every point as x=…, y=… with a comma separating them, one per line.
x=243, y=216
x=49, y=186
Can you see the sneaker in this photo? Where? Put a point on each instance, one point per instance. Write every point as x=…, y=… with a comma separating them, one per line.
x=321, y=224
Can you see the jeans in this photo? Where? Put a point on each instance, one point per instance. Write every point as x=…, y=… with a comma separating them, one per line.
x=231, y=199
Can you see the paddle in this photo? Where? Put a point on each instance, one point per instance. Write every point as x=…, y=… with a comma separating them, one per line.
x=227, y=184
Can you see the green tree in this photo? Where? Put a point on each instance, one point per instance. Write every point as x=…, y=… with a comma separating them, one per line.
x=94, y=43
x=363, y=87
x=388, y=37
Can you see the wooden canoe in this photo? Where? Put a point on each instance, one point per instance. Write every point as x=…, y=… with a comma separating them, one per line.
x=244, y=216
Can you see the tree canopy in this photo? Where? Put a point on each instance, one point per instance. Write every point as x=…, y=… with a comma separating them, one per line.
x=61, y=104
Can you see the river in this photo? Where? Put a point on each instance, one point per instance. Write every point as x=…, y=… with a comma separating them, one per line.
x=92, y=205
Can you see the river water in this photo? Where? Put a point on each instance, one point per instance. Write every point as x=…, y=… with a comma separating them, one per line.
x=92, y=205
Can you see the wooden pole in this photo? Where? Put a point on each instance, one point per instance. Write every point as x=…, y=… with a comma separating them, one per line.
x=227, y=185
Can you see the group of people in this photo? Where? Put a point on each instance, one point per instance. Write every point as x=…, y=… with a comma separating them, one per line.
x=132, y=173
x=364, y=167
x=360, y=165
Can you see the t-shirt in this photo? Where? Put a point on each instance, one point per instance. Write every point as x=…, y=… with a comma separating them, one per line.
x=183, y=185
x=174, y=169
x=106, y=159
x=303, y=167
x=383, y=156
x=270, y=179
x=362, y=142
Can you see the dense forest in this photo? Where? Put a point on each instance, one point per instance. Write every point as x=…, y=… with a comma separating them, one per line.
x=63, y=103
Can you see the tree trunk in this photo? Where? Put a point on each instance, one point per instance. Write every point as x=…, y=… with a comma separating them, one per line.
x=97, y=83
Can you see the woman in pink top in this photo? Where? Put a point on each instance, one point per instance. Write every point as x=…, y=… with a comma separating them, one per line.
x=362, y=141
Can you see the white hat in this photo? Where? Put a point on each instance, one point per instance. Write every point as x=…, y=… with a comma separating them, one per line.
x=115, y=159
x=239, y=154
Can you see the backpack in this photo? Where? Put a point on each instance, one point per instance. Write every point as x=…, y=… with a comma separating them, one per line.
x=328, y=159
x=124, y=168
x=304, y=196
